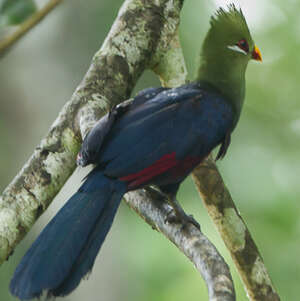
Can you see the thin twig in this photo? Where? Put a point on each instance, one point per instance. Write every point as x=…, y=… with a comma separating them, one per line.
x=10, y=40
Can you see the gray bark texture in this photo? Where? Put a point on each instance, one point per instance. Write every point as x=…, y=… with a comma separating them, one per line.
x=144, y=35
x=234, y=232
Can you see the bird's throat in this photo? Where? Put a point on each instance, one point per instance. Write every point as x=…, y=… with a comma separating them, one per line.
x=228, y=79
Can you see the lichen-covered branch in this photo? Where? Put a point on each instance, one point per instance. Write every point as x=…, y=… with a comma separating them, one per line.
x=234, y=232
x=138, y=31
x=170, y=67
x=37, y=17
x=190, y=241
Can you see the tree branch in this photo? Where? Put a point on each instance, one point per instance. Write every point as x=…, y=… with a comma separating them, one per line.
x=234, y=232
x=9, y=41
x=192, y=242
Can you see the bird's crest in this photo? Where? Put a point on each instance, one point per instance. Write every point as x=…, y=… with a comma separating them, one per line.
x=228, y=18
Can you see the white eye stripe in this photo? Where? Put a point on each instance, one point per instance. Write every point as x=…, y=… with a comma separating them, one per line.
x=237, y=49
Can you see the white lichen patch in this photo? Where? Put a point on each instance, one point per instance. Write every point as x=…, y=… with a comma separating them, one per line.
x=128, y=5
x=53, y=161
x=88, y=116
x=8, y=218
x=129, y=49
x=259, y=273
x=8, y=229
x=45, y=182
x=52, y=165
x=27, y=206
x=171, y=69
x=235, y=229
x=170, y=6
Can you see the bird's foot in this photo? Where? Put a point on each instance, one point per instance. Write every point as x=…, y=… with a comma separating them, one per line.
x=182, y=218
x=155, y=194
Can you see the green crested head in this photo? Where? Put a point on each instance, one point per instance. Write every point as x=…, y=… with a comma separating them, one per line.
x=226, y=51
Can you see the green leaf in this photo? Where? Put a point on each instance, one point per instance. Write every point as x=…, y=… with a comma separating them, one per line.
x=14, y=12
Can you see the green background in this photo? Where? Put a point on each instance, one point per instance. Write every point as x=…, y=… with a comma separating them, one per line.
x=261, y=169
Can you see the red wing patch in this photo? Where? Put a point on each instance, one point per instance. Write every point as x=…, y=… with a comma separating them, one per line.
x=160, y=166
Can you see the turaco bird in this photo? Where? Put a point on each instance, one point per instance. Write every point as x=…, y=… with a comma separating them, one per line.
x=157, y=139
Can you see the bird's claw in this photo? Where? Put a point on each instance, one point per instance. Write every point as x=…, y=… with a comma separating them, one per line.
x=182, y=219
x=155, y=194
x=190, y=220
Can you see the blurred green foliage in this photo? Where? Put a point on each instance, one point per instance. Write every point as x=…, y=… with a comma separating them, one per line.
x=261, y=169
x=13, y=12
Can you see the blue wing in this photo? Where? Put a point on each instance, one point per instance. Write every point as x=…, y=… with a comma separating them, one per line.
x=93, y=142
x=175, y=124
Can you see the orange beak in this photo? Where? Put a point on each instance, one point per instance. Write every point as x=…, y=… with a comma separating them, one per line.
x=256, y=54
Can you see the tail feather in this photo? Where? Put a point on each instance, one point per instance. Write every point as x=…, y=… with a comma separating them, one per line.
x=85, y=260
x=66, y=249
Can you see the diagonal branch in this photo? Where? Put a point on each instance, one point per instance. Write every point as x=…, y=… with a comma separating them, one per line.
x=138, y=38
x=234, y=232
x=192, y=242
x=113, y=72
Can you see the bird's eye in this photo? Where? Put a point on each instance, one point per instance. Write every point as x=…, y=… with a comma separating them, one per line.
x=243, y=45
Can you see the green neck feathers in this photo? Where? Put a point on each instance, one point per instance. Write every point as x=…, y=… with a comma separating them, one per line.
x=226, y=77
x=226, y=51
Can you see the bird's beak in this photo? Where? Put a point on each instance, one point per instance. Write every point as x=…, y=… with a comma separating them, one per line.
x=256, y=54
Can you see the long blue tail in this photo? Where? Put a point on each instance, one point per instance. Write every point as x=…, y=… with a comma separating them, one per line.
x=66, y=249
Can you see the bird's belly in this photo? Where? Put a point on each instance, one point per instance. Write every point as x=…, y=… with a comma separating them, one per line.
x=177, y=173
x=165, y=171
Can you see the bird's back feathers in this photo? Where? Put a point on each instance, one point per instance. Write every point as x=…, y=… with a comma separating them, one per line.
x=186, y=121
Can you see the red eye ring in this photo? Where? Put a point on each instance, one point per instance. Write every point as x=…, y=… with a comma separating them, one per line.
x=243, y=45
